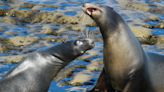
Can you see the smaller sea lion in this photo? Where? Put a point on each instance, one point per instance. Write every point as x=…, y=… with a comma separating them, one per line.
x=37, y=71
x=127, y=67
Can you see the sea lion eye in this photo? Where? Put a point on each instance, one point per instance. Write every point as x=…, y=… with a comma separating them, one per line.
x=79, y=42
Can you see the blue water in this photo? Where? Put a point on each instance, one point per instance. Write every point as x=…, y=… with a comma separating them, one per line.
x=156, y=31
x=5, y=68
x=68, y=5
x=70, y=13
x=55, y=88
x=48, y=9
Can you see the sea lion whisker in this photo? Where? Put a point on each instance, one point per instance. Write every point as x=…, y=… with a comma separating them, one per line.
x=91, y=35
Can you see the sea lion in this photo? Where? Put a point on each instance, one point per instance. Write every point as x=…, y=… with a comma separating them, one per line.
x=37, y=71
x=127, y=67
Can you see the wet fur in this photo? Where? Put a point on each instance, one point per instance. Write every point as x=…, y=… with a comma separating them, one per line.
x=127, y=67
x=37, y=71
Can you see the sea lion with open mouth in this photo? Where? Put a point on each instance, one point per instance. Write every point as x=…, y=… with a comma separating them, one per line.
x=127, y=67
x=37, y=71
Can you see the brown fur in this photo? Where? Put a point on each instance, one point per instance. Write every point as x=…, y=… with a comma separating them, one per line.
x=128, y=68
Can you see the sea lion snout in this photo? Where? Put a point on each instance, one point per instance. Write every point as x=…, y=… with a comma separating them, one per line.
x=85, y=44
x=91, y=9
x=91, y=43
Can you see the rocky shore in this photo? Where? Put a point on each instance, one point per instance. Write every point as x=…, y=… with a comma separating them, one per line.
x=28, y=26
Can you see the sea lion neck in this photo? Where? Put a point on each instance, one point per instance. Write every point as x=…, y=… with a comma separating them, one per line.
x=109, y=23
x=64, y=53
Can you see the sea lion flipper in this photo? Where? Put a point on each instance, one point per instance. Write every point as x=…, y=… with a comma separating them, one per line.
x=101, y=85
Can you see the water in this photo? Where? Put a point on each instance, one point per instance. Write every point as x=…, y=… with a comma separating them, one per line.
x=5, y=68
x=69, y=8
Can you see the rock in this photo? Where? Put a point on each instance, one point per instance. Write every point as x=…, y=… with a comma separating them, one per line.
x=94, y=66
x=46, y=29
x=141, y=32
x=64, y=73
x=14, y=59
x=35, y=16
x=22, y=40
x=23, y=14
x=2, y=12
x=9, y=20
x=10, y=33
x=3, y=48
x=11, y=13
x=160, y=25
x=160, y=42
x=137, y=5
x=36, y=8
x=152, y=18
x=55, y=39
x=81, y=77
x=27, y=5
x=61, y=30
x=134, y=5
x=2, y=29
x=85, y=57
x=93, y=52
x=46, y=17
x=67, y=72
x=148, y=26
x=68, y=19
x=151, y=40
x=78, y=28
x=85, y=20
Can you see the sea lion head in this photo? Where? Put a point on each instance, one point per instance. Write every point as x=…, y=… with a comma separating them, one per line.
x=104, y=16
x=69, y=50
x=94, y=11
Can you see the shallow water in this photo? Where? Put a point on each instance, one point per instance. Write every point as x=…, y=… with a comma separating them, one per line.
x=69, y=8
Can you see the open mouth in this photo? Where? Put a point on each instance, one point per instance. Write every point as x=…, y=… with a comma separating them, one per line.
x=89, y=8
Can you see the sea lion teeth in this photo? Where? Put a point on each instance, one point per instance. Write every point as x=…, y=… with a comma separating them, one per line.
x=89, y=13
